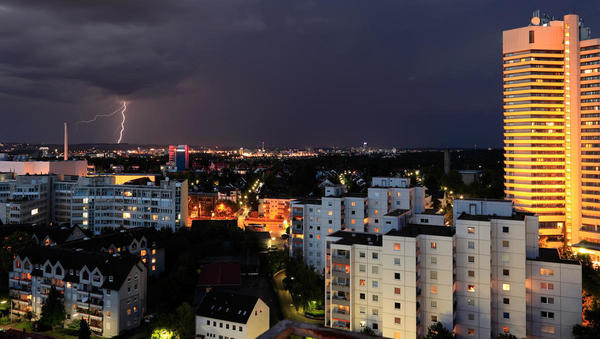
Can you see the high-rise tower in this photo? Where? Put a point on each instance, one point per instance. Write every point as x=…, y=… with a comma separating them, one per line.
x=551, y=74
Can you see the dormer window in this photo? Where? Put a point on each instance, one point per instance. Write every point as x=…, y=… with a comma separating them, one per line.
x=18, y=263
x=59, y=271
x=27, y=265
x=48, y=269
x=86, y=275
x=110, y=278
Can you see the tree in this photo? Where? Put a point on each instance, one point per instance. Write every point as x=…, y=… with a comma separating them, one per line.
x=84, y=330
x=506, y=336
x=368, y=331
x=53, y=310
x=184, y=322
x=438, y=331
x=592, y=318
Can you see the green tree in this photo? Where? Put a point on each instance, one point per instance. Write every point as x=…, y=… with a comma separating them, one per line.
x=438, y=331
x=84, y=330
x=184, y=322
x=368, y=331
x=592, y=316
x=53, y=310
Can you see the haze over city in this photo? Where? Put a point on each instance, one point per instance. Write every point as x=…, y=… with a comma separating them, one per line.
x=235, y=73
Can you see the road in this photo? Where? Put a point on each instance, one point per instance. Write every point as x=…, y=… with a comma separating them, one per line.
x=285, y=300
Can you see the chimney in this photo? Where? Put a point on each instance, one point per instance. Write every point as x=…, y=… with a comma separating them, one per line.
x=66, y=151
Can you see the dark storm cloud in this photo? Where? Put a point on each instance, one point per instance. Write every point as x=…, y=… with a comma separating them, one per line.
x=237, y=72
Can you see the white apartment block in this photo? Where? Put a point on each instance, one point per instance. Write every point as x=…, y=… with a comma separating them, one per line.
x=25, y=199
x=108, y=291
x=225, y=315
x=389, y=202
x=397, y=284
x=483, y=277
x=97, y=202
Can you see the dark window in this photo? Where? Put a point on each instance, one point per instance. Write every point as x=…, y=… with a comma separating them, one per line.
x=375, y=326
x=505, y=229
x=362, y=296
x=505, y=272
x=397, y=306
x=506, y=301
x=531, y=37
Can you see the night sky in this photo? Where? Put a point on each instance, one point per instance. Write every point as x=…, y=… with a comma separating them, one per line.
x=237, y=72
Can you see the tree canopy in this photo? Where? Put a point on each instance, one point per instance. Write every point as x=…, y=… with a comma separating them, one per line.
x=53, y=310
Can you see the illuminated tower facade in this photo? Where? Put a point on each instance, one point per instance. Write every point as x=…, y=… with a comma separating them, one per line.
x=551, y=83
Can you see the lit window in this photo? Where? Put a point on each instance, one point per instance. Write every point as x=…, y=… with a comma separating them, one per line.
x=471, y=331
x=376, y=212
x=362, y=282
x=470, y=229
x=397, y=290
x=396, y=246
x=318, y=236
x=353, y=221
x=330, y=213
x=153, y=268
x=126, y=215
x=434, y=289
x=433, y=245
x=397, y=320
x=547, y=329
x=546, y=271
x=143, y=253
x=506, y=287
x=376, y=229
x=506, y=330
x=353, y=204
x=154, y=251
x=471, y=288
x=330, y=230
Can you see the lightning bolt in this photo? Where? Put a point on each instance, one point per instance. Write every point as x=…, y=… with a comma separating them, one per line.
x=123, y=109
x=100, y=116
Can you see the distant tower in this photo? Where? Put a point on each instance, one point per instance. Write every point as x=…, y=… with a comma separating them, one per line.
x=263, y=147
x=66, y=150
x=172, y=154
x=447, y=161
x=182, y=159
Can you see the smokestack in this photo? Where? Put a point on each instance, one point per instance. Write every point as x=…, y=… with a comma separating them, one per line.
x=66, y=151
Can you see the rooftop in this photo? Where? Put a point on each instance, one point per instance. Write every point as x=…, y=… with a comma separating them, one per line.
x=220, y=274
x=117, y=266
x=412, y=230
x=227, y=306
x=517, y=216
x=552, y=255
x=396, y=213
x=356, y=238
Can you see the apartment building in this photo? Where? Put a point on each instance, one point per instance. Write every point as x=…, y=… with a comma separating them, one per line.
x=143, y=242
x=228, y=315
x=483, y=277
x=97, y=203
x=25, y=199
x=107, y=290
x=388, y=202
x=274, y=208
x=397, y=284
x=551, y=128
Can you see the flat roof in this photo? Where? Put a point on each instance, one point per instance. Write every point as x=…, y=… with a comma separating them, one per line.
x=357, y=238
x=396, y=212
x=552, y=255
x=413, y=230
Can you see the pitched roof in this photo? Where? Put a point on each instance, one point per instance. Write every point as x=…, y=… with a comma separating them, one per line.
x=359, y=238
x=116, y=265
x=220, y=274
x=227, y=306
x=118, y=239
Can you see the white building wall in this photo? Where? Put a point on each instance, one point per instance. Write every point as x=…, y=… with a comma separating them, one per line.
x=473, y=271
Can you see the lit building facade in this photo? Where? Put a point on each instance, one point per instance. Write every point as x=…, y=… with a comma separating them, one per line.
x=25, y=199
x=108, y=291
x=389, y=201
x=485, y=276
x=552, y=128
x=182, y=158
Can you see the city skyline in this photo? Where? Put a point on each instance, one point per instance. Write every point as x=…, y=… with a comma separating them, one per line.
x=238, y=73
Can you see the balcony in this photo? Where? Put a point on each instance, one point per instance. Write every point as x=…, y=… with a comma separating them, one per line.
x=340, y=259
x=343, y=301
x=341, y=314
x=344, y=287
x=341, y=325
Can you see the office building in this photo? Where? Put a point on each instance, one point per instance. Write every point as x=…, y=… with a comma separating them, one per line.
x=107, y=290
x=25, y=199
x=389, y=201
x=182, y=158
x=97, y=203
x=229, y=315
x=485, y=276
x=552, y=126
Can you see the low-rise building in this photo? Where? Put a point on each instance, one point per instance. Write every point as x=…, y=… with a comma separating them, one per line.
x=228, y=315
x=107, y=290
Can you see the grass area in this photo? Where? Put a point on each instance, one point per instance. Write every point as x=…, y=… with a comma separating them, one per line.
x=59, y=333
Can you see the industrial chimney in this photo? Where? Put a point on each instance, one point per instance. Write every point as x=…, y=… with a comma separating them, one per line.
x=66, y=151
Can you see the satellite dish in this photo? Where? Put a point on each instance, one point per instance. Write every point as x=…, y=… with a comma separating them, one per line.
x=535, y=21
